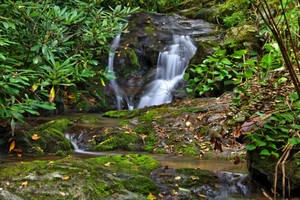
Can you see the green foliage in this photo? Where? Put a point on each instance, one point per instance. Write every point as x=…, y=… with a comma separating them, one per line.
x=219, y=70
x=280, y=128
x=47, y=47
x=234, y=12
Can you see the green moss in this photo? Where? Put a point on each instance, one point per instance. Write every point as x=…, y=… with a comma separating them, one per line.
x=131, y=163
x=123, y=123
x=83, y=105
x=131, y=55
x=148, y=116
x=189, y=150
x=70, y=178
x=151, y=141
x=197, y=177
x=119, y=140
x=89, y=119
x=59, y=124
x=144, y=129
x=140, y=184
x=51, y=138
x=127, y=114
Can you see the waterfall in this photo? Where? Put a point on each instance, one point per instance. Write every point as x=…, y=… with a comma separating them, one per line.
x=171, y=66
x=119, y=93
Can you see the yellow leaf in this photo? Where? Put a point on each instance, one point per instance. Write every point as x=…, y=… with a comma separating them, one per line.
x=25, y=183
x=108, y=164
x=35, y=137
x=151, y=196
x=19, y=155
x=102, y=82
x=34, y=87
x=202, y=195
x=52, y=95
x=12, y=146
x=65, y=178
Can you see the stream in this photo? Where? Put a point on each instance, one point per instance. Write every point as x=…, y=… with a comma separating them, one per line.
x=235, y=183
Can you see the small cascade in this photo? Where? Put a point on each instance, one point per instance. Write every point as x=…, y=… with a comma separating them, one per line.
x=171, y=66
x=119, y=93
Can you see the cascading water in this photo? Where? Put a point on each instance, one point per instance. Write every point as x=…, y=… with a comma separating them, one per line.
x=119, y=93
x=171, y=66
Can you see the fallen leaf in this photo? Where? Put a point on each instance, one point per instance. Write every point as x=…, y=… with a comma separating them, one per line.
x=202, y=195
x=236, y=160
x=188, y=123
x=177, y=178
x=108, y=164
x=25, y=183
x=35, y=137
x=65, y=178
x=12, y=146
x=19, y=155
x=63, y=194
x=151, y=196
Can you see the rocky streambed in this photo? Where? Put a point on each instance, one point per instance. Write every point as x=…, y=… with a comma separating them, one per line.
x=179, y=130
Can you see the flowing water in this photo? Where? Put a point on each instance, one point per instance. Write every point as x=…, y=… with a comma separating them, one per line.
x=119, y=93
x=170, y=69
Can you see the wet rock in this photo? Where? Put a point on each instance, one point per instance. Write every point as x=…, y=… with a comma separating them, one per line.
x=45, y=138
x=149, y=34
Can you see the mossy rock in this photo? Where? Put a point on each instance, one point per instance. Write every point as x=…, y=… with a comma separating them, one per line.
x=197, y=177
x=189, y=150
x=126, y=114
x=130, y=163
x=117, y=140
x=50, y=138
x=70, y=178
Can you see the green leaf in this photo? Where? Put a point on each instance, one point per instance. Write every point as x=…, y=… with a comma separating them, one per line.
x=206, y=88
x=269, y=138
x=36, y=60
x=272, y=145
x=281, y=80
x=189, y=90
x=294, y=96
x=2, y=56
x=209, y=80
x=294, y=140
x=260, y=143
x=265, y=152
x=226, y=61
x=275, y=154
x=248, y=73
x=239, y=54
x=250, y=147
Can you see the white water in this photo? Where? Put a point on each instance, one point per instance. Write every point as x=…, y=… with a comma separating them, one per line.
x=119, y=93
x=171, y=66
